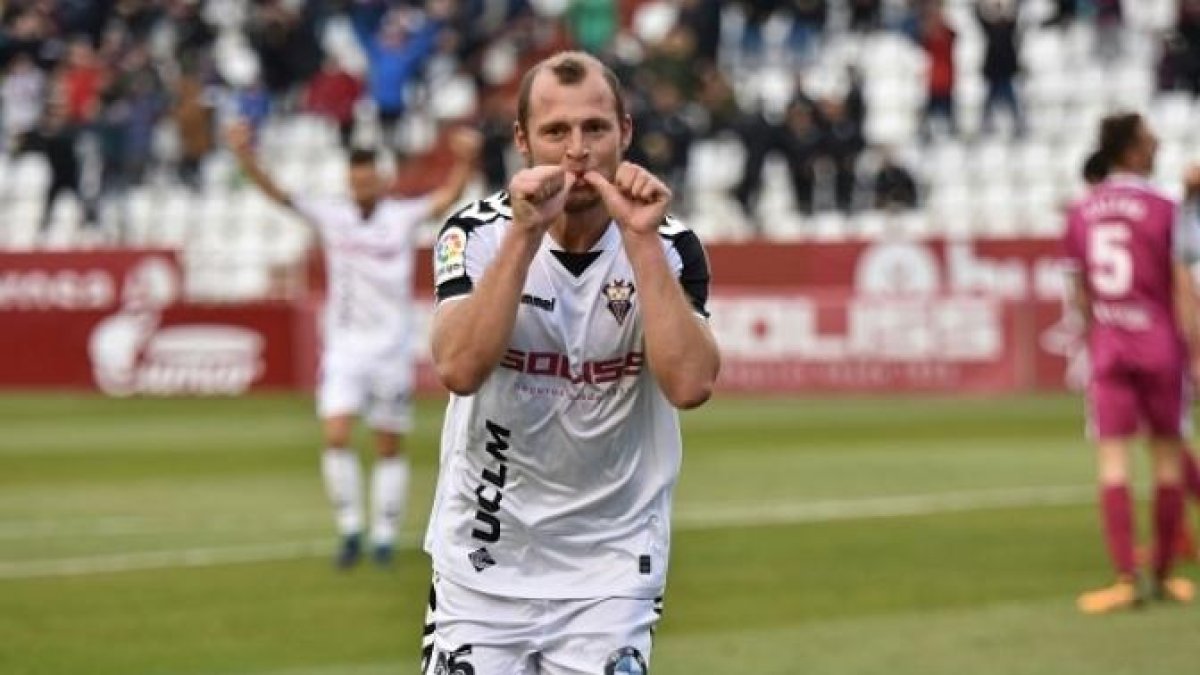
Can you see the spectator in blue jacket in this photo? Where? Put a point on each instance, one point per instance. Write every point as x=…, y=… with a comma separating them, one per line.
x=397, y=43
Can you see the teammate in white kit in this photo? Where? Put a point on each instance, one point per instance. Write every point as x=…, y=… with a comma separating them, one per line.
x=570, y=325
x=366, y=360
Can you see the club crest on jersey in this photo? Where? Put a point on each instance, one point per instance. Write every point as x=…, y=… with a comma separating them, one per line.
x=449, y=255
x=626, y=661
x=619, y=294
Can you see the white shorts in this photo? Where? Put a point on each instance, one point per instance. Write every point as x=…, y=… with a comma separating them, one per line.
x=472, y=633
x=380, y=389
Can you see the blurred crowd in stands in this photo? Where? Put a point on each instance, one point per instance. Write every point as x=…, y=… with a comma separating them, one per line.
x=115, y=93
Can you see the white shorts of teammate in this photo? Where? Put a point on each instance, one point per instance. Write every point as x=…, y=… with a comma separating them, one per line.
x=473, y=633
x=379, y=389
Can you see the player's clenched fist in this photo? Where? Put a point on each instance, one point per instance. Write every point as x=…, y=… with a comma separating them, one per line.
x=636, y=199
x=539, y=195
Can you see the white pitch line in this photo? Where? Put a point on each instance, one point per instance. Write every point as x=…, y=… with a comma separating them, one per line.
x=155, y=560
x=120, y=526
x=786, y=513
x=685, y=519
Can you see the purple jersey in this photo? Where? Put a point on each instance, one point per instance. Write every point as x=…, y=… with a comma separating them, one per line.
x=1124, y=238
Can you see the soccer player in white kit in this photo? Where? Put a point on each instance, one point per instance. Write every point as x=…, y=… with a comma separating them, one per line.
x=366, y=359
x=570, y=326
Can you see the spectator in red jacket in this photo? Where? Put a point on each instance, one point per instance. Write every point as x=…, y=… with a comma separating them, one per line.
x=333, y=94
x=83, y=77
x=937, y=39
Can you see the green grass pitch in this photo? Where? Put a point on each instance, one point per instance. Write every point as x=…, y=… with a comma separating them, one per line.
x=831, y=537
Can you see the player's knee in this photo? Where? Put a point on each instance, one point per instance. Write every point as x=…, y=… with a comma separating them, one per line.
x=336, y=435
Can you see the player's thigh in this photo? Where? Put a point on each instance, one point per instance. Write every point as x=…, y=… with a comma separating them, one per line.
x=609, y=636
x=390, y=402
x=1163, y=401
x=1113, y=408
x=342, y=386
x=470, y=633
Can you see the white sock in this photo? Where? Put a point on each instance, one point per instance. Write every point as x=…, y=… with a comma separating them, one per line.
x=389, y=494
x=343, y=484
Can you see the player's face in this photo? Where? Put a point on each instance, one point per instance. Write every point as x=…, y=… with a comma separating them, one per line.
x=1146, y=148
x=574, y=126
x=366, y=185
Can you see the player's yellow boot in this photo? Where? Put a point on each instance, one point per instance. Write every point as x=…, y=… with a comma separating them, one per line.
x=1119, y=596
x=1176, y=589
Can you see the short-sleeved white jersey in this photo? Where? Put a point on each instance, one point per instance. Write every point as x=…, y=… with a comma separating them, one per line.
x=369, y=265
x=556, y=476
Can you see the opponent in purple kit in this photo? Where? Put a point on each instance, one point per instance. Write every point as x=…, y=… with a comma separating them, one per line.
x=1133, y=286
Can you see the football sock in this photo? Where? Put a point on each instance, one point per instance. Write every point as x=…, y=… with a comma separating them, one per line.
x=343, y=484
x=1117, y=511
x=389, y=493
x=1191, y=473
x=1168, y=514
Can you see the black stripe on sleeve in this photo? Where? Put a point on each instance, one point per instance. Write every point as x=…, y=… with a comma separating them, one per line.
x=694, y=276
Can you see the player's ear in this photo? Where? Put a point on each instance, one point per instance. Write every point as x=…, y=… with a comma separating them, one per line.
x=626, y=133
x=521, y=140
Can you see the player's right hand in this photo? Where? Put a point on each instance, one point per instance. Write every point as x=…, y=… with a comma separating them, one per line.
x=1191, y=180
x=240, y=138
x=539, y=195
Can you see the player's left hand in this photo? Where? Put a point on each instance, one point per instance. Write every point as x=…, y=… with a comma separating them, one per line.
x=636, y=199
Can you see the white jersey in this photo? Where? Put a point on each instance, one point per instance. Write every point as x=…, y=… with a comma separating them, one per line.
x=556, y=476
x=369, y=264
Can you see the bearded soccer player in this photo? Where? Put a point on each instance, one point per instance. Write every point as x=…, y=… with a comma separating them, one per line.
x=570, y=326
x=366, y=359
x=1133, y=286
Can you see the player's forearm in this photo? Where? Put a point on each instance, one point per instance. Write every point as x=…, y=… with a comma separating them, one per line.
x=1185, y=308
x=1080, y=300
x=452, y=190
x=471, y=335
x=680, y=350
x=261, y=179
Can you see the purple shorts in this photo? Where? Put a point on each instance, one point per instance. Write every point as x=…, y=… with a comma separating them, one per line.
x=1125, y=399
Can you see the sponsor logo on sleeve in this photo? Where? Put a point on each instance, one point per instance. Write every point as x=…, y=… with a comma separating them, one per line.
x=450, y=256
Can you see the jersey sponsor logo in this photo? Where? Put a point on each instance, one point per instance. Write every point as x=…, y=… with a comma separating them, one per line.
x=540, y=303
x=481, y=559
x=450, y=255
x=553, y=364
x=626, y=661
x=619, y=294
x=490, y=491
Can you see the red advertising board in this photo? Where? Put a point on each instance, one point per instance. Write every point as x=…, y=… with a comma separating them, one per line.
x=890, y=315
x=203, y=350
x=95, y=281
x=781, y=342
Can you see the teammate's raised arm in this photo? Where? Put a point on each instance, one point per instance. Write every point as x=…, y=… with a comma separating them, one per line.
x=466, y=145
x=471, y=334
x=240, y=138
x=1187, y=250
x=680, y=348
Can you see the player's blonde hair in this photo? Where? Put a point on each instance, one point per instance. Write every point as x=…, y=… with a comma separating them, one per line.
x=570, y=67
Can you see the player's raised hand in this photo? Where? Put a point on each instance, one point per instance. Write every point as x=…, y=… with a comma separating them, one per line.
x=636, y=199
x=539, y=195
x=466, y=144
x=1191, y=181
x=240, y=138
